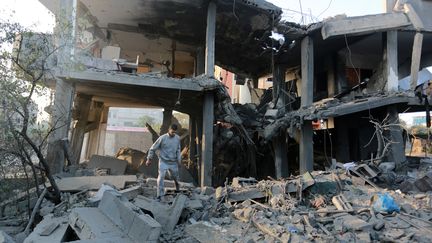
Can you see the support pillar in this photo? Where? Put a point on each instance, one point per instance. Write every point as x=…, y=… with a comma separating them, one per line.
x=200, y=61
x=306, y=133
x=416, y=58
x=210, y=40
x=166, y=121
x=192, y=140
x=390, y=58
x=82, y=110
x=102, y=131
x=60, y=120
x=279, y=142
x=397, y=150
x=93, y=140
x=207, y=145
x=208, y=107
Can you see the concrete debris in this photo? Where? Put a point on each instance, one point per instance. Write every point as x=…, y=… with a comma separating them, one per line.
x=50, y=229
x=167, y=216
x=114, y=166
x=319, y=206
x=73, y=184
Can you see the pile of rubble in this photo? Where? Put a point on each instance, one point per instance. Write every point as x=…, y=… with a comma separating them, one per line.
x=344, y=204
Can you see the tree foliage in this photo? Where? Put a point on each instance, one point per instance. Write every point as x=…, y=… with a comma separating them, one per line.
x=25, y=61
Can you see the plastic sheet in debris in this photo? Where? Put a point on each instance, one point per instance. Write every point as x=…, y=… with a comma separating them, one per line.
x=384, y=203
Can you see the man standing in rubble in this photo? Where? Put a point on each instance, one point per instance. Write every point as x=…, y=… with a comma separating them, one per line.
x=169, y=158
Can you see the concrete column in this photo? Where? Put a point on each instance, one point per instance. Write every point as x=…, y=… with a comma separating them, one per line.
x=342, y=145
x=102, y=131
x=390, y=58
x=207, y=146
x=65, y=32
x=82, y=110
x=281, y=159
x=200, y=61
x=199, y=140
x=397, y=150
x=166, y=121
x=60, y=120
x=210, y=39
x=192, y=140
x=415, y=59
x=306, y=133
x=388, y=5
x=93, y=141
x=279, y=142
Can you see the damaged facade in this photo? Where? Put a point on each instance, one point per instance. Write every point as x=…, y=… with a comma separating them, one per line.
x=341, y=74
x=337, y=89
x=154, y=54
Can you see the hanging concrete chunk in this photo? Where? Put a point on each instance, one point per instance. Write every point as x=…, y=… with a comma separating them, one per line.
x=167, y=216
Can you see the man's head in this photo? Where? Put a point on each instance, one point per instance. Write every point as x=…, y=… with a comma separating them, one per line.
x=172, y=130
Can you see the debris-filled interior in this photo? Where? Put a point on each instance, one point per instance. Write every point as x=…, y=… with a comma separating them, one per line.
x=317, y=152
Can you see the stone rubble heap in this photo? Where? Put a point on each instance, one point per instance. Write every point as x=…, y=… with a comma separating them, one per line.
x=322, y=206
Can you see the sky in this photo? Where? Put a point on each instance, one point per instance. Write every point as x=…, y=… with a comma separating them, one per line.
x=32, y=14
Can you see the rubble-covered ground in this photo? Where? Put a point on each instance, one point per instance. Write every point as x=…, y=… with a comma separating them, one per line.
x=346, y=203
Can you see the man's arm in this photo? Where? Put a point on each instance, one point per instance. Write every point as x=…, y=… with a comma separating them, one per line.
x=152, y=150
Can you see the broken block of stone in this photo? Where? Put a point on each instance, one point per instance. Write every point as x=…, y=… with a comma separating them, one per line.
x=194, y=204
x=424, y=184
x=131, y=192
x=74, y=184
x=350, y=222
x=244, y=194
x=114, y=218
x=50, y=229
x=129, y=218
x=91, y=223
x=115, y=166
x=205, y=232
x=5, y=238
x=271, y=228
x=243, y=214
x=220, y=192
x=242, y=182
x=167, y=216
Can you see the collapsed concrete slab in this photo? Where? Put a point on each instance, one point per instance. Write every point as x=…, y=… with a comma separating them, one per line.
x=70, y=184
x=115, y=166
x=50, y=229
x=129, y=218
x=114, y=219
x=167, y=216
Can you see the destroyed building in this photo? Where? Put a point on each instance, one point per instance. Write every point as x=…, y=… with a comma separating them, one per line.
x=140, y=57
x=337, y=89
x=339, y=85
x=164, y=56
